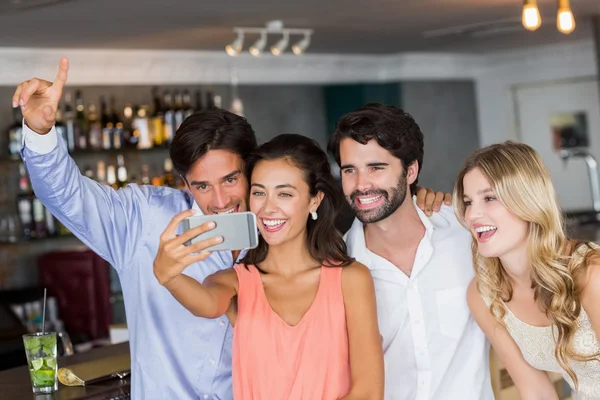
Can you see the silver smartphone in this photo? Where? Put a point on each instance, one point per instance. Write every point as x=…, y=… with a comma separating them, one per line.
x=239, y=230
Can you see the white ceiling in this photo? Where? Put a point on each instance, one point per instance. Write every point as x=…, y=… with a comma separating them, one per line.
x=341, y=26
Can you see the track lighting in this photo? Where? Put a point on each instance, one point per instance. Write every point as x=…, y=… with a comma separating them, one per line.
x=235, y=47
x=281, y=45
x=272, y=27
x=257, y=48
x=301, y=46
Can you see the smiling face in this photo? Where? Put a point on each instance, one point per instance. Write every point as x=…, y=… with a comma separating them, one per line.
x=280, y=198
x=498, y=231
x=374, y=181
x=218, y=183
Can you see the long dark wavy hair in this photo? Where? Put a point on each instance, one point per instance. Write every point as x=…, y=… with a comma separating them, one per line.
x=325, y=243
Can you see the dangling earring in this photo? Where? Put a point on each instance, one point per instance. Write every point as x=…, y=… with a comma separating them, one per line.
x=314, y=215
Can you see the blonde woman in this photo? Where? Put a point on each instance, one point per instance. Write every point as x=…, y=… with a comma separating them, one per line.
x=536, y=293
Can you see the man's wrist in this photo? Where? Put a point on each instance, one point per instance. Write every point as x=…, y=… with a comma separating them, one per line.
x=37, y=131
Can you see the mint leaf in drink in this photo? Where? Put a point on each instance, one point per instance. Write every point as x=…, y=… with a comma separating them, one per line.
x=48, y=341
x=43, y=378
x=32, y=344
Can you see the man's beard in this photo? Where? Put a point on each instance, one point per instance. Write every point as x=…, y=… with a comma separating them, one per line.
x=392, y=200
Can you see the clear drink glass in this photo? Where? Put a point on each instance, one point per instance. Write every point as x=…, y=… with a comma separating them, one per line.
x=40, y=349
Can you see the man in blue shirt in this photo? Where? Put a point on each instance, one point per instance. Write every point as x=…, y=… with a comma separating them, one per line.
x=174, y=355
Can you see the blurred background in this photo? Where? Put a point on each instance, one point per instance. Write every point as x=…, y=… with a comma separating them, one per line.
x=471, y=72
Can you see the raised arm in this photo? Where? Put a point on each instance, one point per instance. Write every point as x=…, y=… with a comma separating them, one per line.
x=366, y=352
x=110, y=222
x=531, y=383
x=208, y=300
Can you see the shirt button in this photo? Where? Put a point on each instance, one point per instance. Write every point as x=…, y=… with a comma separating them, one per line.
x=205, y=396
x=212, y=361
x=222, y=323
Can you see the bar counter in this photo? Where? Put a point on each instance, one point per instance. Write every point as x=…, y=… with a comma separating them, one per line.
x=15, y=383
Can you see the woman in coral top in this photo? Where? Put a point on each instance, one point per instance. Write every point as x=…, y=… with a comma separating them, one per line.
x=303, y=312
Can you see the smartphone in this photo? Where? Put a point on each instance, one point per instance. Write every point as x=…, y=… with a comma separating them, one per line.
x=239, y=230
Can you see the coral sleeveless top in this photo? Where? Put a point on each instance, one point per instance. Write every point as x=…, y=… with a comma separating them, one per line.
x=275, y=361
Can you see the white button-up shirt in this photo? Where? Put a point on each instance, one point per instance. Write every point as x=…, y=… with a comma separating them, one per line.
x=433, y=348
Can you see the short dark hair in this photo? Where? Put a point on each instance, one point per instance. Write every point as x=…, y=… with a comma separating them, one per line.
x=395, y=130
x=325, y=242
x=210, y=129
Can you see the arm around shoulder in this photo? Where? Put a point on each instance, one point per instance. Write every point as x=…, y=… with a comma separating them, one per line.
x=366, y=352
x=531, y=383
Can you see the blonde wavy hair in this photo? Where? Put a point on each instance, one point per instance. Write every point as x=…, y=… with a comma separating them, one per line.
x=522, y=184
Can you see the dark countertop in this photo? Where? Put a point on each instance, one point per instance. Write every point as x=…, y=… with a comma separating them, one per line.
x=15, y=383
x=584, y=226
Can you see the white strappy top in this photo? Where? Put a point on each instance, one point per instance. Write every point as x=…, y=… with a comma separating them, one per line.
x=537, y=345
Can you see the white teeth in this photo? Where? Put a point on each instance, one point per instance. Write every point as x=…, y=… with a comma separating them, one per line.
x=228, y=211
x=480, y=229
x=273, y=222
x=369, y=200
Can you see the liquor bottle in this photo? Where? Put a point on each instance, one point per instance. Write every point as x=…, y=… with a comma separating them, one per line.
x=179, y=111
x=157, y=123
x=121, y=172
x=170, y=127
x=95, y=130
x=25, y=204
x=101, y=172
x=81, y=126
x=70, y=123
x=107, y=126
x=39, y=219
x=88, y=172
x=24, y=182
x=142, y=129
x=187, y=104
x=15, y=134
x=128, y=138
x=218, y=101
x=199, y=102
x=61, y=128
x=119, y=128
x=111, y=177
x=145, y=180
x=210, y=100
x=168, y=176
x=157, y=181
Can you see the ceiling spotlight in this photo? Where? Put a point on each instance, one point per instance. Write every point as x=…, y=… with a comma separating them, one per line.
x=257, y=48
x=235, y=47
x=300, y=47
x=280, y=46
x=271, y=28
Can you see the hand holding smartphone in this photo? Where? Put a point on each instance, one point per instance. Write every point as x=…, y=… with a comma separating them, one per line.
x=238, y=230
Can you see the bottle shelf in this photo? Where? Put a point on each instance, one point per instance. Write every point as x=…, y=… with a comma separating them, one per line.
x=83, y=153
x=20, y=242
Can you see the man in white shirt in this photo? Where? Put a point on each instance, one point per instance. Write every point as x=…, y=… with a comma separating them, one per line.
x=421, y=266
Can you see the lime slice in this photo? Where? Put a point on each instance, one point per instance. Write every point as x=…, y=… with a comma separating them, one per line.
x=50, y=362
x=37, y=363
